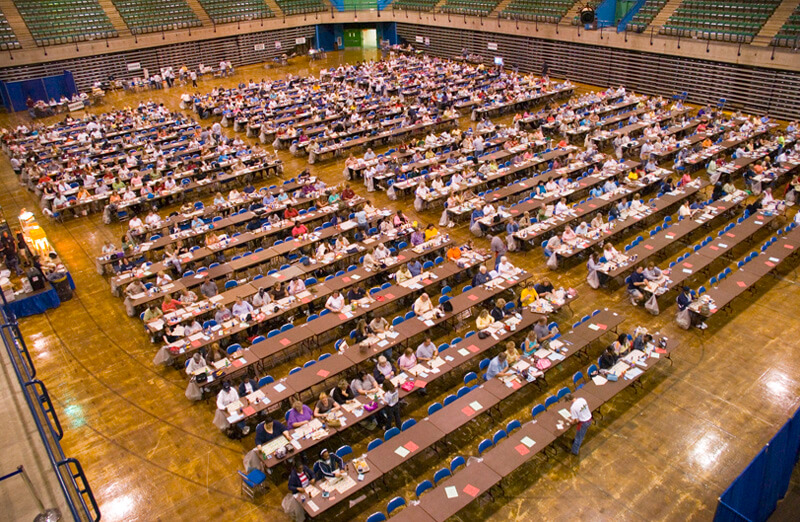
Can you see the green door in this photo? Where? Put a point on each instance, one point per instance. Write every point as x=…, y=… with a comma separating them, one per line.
x=352, y=38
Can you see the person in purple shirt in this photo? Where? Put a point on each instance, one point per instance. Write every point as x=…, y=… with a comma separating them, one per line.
x=299, y=415
x=417, y=237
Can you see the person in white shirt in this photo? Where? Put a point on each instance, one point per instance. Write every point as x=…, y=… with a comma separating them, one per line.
x=423, y=304
x=228, y=395
x=162, y=279
x=135, y=223
x=505, y=268
x=561, y=207
x=296, y=286
x=381, y=252
x=335, y=302
x=195, y=363
x=582, y=416
x=152, y=219
x=241, y=308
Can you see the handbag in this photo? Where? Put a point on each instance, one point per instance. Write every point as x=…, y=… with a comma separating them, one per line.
x=543, y=364
x=201, y=378
x=372, y=406
x=612, y=377
x=407, y=386
x=483, y=334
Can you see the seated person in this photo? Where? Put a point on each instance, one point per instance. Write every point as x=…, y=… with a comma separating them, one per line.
x=267, y=430
x=484, y=320
x=299, y=415
x=325, y=405
x=498, y=367
x=407, y=360
x=329, y=465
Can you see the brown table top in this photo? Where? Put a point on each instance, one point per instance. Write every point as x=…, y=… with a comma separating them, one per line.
x=510, y=453
x=467, y=487
x=414, y=441
x=463, y=410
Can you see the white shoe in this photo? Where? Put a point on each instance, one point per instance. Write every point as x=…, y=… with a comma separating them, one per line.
x=702, y=326
x=246, y=430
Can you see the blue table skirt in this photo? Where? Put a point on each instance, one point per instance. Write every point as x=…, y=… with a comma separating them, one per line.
x=36, y=303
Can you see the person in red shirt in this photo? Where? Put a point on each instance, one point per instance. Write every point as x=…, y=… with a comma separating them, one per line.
x=299, y=229
x=348, y=193
x=290, y=213
x=169, y=304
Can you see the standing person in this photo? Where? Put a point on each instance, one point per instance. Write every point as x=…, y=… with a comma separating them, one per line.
x=582, y=416
x=499, y=249
x=391, y=398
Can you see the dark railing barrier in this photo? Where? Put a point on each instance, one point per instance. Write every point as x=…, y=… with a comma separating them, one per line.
x=753, y=495
x=71, y=478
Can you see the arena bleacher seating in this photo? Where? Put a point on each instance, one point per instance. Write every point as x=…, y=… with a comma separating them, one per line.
x=789, y=33
x=147, y=16
x=226, y=11
x=8, y=40
x=479, y=8
x=540, y=10
x=415, y=5
x=60, y=21
x=646, y=14
x=720, y=19
x=291, y=7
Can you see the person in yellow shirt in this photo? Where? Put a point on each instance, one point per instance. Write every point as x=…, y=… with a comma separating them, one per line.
x=528, y=295
x=431, y=232
x=484, y=320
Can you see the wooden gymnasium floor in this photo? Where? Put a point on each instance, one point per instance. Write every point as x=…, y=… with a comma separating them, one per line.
x=664, y=453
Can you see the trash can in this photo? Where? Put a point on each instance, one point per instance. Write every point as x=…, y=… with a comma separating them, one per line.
x=63, y=289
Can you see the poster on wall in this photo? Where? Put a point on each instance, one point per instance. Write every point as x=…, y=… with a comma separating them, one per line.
x=277, y=44
x=491, y=46
x=420, y=39
x=300, y=41
x=427, y=42
x=259, y=47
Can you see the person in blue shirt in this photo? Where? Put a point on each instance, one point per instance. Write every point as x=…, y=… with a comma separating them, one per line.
x=476, y=215
x=635, y=281
x=498, y=367
x=268, y=200
x=684, y=300
x=361, y=219
x=512, y=227
x=415, y=267
x=597, y=191
x=481, y=277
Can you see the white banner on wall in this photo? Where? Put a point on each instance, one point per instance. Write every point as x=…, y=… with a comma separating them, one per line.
x=420, y=39
x=135, y=66
x=300, y=41
x=491, y=46
x=259, y=47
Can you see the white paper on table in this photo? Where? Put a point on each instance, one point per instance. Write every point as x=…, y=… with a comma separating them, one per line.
x=529, y=442
x=633, y=373
x=279, y=387
x=429, y=323
x=599, y=380
x=451, y=491
x=312, y=506
x=463, y=351
x=565, y=413
x=542, y=353
x=475, y=405
x=594, y=327
x=403, y=452
x=216, y=298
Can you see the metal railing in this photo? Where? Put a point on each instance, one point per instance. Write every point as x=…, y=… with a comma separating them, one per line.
x=69, y=472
